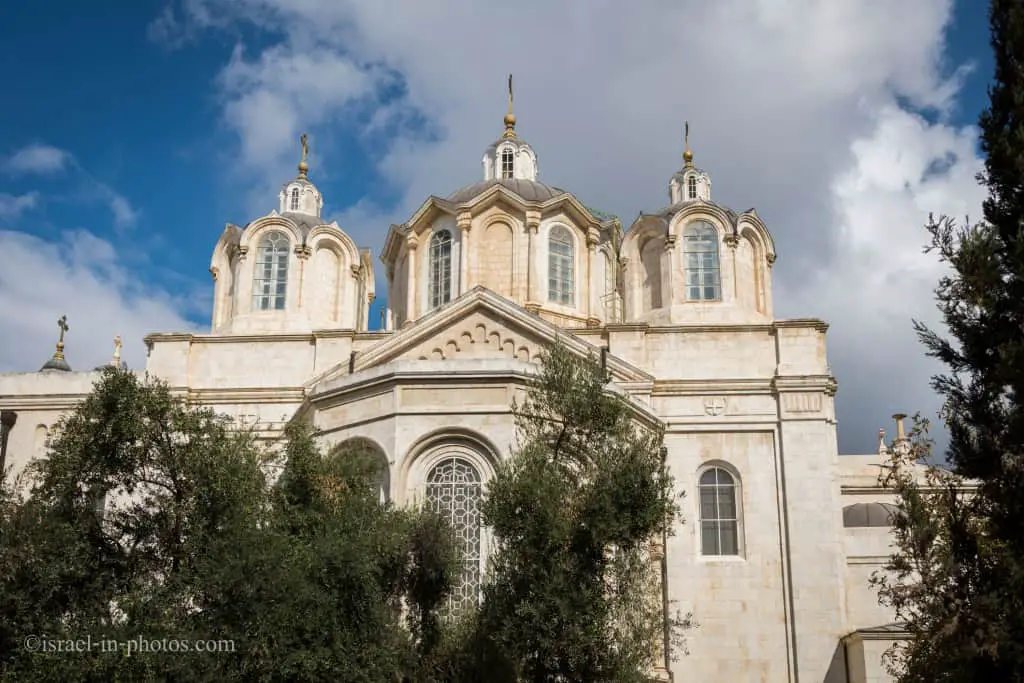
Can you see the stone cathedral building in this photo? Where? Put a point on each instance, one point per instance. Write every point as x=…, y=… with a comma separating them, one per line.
x=780, y=534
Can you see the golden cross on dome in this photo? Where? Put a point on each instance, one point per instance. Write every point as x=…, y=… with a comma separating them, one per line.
x=303, y=165
x=688, y=153
x=510, y=118
x=62, y=325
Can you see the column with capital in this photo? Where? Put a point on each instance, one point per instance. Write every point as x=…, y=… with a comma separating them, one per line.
x=668, y=267
x=411, y=281
x=464, y=221
x=593, y=237
x=533, y=288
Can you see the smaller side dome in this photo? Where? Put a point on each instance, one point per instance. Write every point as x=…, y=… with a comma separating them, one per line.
x=300, y=195
x=510, y=157
x=58, y=362
x=861, y=515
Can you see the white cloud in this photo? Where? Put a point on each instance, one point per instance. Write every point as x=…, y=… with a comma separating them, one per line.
x=878, y=278
x=40, y=159
x=793, y=105
x=12, y=206
x=37, y=159
x=82, y=276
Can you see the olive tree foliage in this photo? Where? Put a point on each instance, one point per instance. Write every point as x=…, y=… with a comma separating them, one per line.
x=306, y=578
x=572, y=592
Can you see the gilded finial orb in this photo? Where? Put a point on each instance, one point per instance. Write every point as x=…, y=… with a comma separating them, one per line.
x=688, y=156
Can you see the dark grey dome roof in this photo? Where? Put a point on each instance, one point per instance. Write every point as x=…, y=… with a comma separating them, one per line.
x=56, y=363
x=530, y=190
x=673, y=209
x=869, y=514
x=305, y=221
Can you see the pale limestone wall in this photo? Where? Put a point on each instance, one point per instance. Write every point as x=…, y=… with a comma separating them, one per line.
x=739, y=602
x=40, y=399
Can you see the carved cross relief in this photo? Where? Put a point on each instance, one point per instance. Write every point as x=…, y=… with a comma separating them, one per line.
x=714, y=406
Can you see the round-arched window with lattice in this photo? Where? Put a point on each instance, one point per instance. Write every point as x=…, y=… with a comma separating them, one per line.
x=455, y=491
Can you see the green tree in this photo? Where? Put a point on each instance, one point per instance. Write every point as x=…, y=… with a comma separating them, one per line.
x=572, y=592
x=957, y=577
x=308, y=578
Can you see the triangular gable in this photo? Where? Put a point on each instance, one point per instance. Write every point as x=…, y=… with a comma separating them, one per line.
x=526, y=330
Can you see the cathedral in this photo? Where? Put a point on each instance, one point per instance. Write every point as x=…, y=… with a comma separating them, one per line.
x=779, y=533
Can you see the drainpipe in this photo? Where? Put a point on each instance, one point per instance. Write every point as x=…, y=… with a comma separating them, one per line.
x=7, y=420
x=666, y=628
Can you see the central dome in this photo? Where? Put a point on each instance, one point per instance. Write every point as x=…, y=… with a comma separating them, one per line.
x=530, y=190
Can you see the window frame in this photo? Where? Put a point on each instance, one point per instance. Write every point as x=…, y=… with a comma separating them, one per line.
x=706, y=263
x=273, y=294
x=439, y=269
x=294, y=200
x=476, y=563
x=691, y=187
x=719, y=520
x=507, y=163
x=561, y=266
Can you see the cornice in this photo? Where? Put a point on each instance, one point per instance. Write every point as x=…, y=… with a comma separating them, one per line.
x=244, y=394
x=311, y=337
x=43, y=401
x=702, y=387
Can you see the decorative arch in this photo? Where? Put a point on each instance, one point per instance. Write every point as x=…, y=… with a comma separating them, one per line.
x=751, y=267
x=427, y=450
x=496, y=263
x=719, y=510
x=338, y=236
x=42, y=433
x=650, y=251
x=383, y=483
x=252, y=234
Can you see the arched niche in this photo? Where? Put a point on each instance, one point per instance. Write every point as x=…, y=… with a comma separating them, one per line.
x=374, y=455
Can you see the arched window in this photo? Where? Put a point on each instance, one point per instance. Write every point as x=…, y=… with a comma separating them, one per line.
x=455, y=491
x=700, y=247
x=719, y=513
x=270, y=283
x=560, y=266
x=295, y=199
x=440, y=274
x=508, y=163
x=691, y=187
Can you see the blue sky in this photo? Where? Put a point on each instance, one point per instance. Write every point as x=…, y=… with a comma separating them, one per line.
x=166, y=117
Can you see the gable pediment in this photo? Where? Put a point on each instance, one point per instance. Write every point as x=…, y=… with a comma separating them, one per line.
x=478, y=325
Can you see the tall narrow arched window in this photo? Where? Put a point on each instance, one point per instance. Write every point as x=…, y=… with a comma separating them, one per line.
x=270, y=283
x=440, y=271
x=295, y=199
x=455, y=491
x=508, y=163
x=691, y=187
x=700, y=248
x=560, y=266
x=719, y=513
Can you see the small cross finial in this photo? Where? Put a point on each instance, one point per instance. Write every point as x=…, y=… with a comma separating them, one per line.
x=688, y=153
x=303, y=165
x=510, y=118
x=62, y=325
